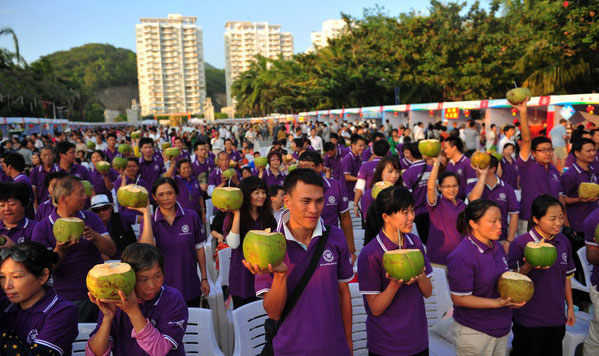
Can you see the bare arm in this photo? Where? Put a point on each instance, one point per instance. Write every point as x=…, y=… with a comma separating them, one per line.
x=479, y=187
x=431, y=185
x=513, y=227
x=474, y=302
x=348, y=231
x=346, y=312
x=275, y=299
x=147, y=235
x=525, y=143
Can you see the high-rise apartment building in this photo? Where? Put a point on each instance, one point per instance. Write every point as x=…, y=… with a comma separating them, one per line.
x=245, y=40
x=170, y=65
x=330, y=29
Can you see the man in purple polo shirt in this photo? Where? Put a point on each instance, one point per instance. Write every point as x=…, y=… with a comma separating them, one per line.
x=13, y=166
x=537, y=174
x=509, y=168
x=110, y=152
x=216, y=178
x=366, y=172
x=38, y=175
x=368, y=152
x=233, y=153
x=351, y=164
x=335, y=140
x=75, y=258
x=325, y=303
x=14, y=197
x=202, y=163
x=332, y=161
x=490, y=187
x=591, y=342
x=151, y=167
x=66, y=161
x=458, y=163
x=415, y=178
x=336, y=210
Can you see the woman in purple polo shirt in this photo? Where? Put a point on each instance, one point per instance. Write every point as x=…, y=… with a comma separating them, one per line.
x=149, y=321
x=34, y=320
x=443, y=209
x=190, y=193
x=482, y=318
x=102, y=182
x=255, y=214
x=539, y=327
x=272, y=175
x=393, y=329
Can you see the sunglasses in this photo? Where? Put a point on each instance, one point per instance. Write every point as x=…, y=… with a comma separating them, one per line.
x=102, y=208
x=16, y=254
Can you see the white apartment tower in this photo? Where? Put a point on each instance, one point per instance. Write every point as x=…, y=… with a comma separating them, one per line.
x=330, y=29
x=245, y=40
x=170, y=65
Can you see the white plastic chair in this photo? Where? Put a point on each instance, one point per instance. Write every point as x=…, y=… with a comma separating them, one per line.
x=575, y=334
x=249, y=329
x=210, y=265
x=359, y=240
x=199, y=338
x=440, y=301
x=79, y=344
x=224, y=266
x=209, y=210
x=586, y=270
x=359, y=338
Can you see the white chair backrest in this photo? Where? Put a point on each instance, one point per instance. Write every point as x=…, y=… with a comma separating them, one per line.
x=359, y=239
x=249, y=329
x=210, y=265
x=440, y=301
x=358, y=320
x=224, y=265
x=79, y=344
x=199, y=338
x=586, y=267
x=209, y=211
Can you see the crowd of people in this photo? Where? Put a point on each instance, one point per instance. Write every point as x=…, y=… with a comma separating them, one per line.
x=473, y=223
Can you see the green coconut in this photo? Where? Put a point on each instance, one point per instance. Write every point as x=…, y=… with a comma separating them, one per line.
x=540, y=254
x=518, y=95
x=291, y=168
x=516, y=286
x=227, y=198
x=480, y=160
x=165, y=145
x=105, y=280
x=497, y=155
x=68, y=229
x=91, y=145
x=597, y=233
x=588, y=190
x=229, y=173
x=124, y=148
x=132, y=196
x=262, y=247
x=103, y=166
x=87, y=186
x=379, y=187
x=232, y=164
x=429, y=148
x=136, y=135
x=119, y=163
x=172, y=152
x=260, y=161
x=403, y=264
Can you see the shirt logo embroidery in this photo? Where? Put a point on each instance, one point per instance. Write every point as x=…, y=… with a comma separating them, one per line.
x=555, y=177
x=156, y=167
x=328, y=258
x=564, y=258
x=501, y=196
x=179, y=323
x=185, y=229
x=33, y=333
x=460, y=171
x=21, y=239
x=331, y=200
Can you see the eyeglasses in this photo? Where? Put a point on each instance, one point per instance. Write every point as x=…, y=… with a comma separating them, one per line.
x=16, y=254
x=546, y=150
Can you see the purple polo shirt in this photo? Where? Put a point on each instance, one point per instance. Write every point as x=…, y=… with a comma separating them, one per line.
x=335, y=202
x=570, y=160
x=235, y=156
x=69, y=276
x=590, y=223
x=398, y=330
x=334, y=164
x=318, y=305
x=443, y=235
x=198, y=167
x=20, y=233
x=474, y=269
x=37, y=177
x=189, y=193
x=367, y=169
x=51, y=322
x=417, y=187
x=577, y=212
x=44, y=210
x=77, y=170
x=167, y=312
x=535, y=180
x=405, y=163
x=343, y=149
x=546, y=308
x=97, y=181
x=367, y=153
x=465, y=172
x=178, y=243
x=22, y=178
x=504, y=196
x=151, y=170
x=183, y=155
x=509, y=172
x=271, y=179
x=350, y=165
x=111, y=154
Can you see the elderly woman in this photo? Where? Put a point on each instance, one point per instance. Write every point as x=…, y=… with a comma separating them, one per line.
x=14, y=225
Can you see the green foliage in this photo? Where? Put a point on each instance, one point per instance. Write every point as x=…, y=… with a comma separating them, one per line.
x=215, y=80
x=220, y=115
x=454, y=52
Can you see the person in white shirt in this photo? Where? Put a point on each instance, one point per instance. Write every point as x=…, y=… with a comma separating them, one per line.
x=315, y=141
x=506, y=138
x=218, y=144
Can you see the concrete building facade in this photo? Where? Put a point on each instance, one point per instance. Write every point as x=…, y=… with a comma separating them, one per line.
x=170, y=65
x=245, y=40
x=330, y=29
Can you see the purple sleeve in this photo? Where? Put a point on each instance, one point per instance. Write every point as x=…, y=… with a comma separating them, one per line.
x=212, y=178
x=470, y=174
x=571, y=265
x=200, y=235
x=345, y=270
x=346, y=165
x=113, y=175
x=569, y=185
x=33, y=176
x=173, y=321
x=589, y=230
x=128, y=217
x=362, y=173
x=370, y=273
x=431, y=207
x=513, y=207
x=263, y=282
x=428, y=269
x=460, y=274
x=60, y=329
x=41, y=234
x=96, y=224
x=515, y=257
x=344, y=203
x=470, y=187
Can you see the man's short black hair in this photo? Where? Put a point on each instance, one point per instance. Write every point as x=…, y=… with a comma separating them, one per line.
x=63, y=146
x=380, y=147
x=577, y=145
x=539, y=140
x=455, y=141
x=355, y=138
x=15, y=160
x=273, y=190
x=111, y=134
x=329, y=146
x=311, y=156
x=145, y=141
x=305, y=175
x=14, y=190
x=413, y=148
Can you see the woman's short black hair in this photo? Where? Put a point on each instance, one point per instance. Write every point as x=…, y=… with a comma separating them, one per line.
x=165, y=180
x=142, y=256
x=389, y=201
x=37, y=257
x=473, y=212
x=14, y=190
x=446, y=174
x=540, y=206
x=184, y=160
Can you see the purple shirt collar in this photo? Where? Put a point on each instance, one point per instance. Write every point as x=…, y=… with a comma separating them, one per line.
x=282, y=227
x=178, y=212
x=21, y=225
x=482, y=248
x=54, y=215
x=388, y=245
x=42, y=306
x=156, y=299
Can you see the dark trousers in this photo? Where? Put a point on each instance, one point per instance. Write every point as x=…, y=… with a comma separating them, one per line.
x=540, y=341
x=422, y=222
x=239, y=302
x=421, y=353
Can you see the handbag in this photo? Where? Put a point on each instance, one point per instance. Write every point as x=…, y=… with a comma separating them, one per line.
x=271, y=326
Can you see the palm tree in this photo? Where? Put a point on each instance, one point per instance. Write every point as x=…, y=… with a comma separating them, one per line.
x=9, y=31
